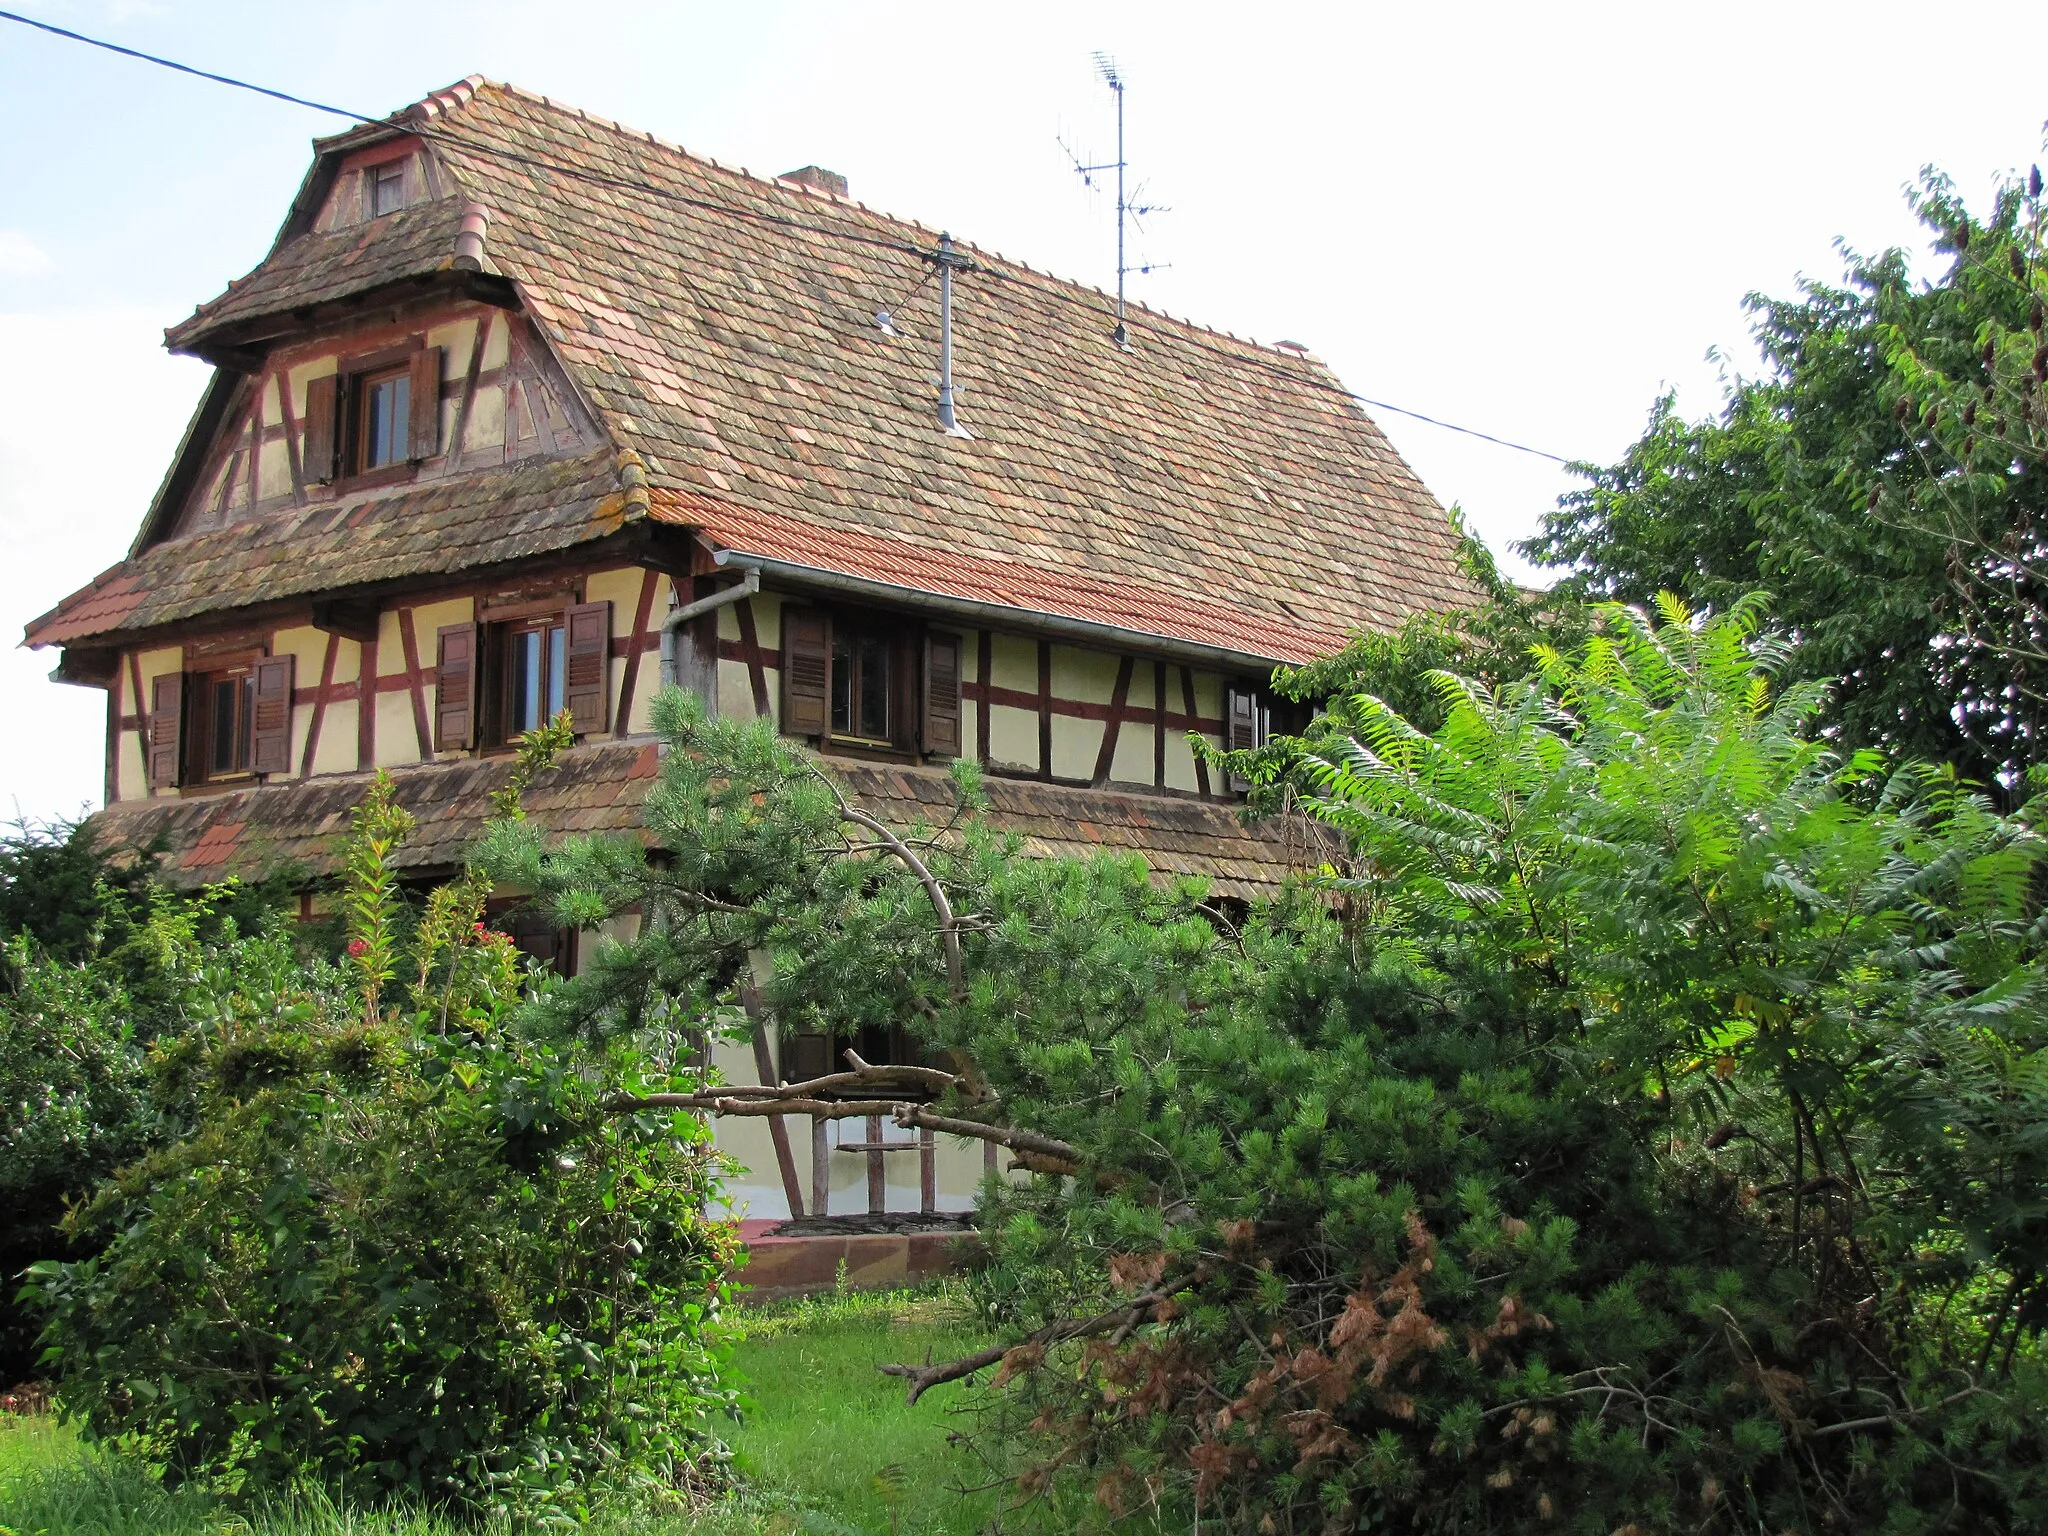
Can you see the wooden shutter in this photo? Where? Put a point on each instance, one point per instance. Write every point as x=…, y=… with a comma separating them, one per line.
x=1241, y=728
x=805, y=1054
x=587, y=688
x=270, y=729
x=426, y=403
x=942, y=694
x=806, y=672
x=455, y=687
x=323, y=399
x=166, y=733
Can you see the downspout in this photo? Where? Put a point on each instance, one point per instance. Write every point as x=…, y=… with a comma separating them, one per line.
x=748, y=584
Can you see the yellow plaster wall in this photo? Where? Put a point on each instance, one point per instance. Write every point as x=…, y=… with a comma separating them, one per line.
x=1180, y=757
x=169, y=658
x=307, y=647
x=621, y=588
x=1086, y=675
x=1090, y=677
x=336, y=752
x=498, y=344
x=1133, y=761
x=426, y=620
x=1015, y=662
x=650, y=663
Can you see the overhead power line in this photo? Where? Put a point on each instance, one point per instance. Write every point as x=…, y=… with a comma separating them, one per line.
x=471, y=145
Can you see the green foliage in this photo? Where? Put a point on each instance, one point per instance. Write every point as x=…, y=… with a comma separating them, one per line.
x=1639, y=1127
x=1884, y=479
x=94, y=972
x=418, y=1256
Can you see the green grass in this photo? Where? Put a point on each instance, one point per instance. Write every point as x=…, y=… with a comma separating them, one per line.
x=832, y=1434
x=829, y=1449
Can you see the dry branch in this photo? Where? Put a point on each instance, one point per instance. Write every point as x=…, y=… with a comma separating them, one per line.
x=1121, y=1319
x=1041, y=1154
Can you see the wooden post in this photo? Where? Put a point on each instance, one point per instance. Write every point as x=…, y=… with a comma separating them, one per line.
x=927, y=1170
x=821, y=1168
x=988, y=1158
x=761, y=970
x=878, y=1179
x=778, y=1131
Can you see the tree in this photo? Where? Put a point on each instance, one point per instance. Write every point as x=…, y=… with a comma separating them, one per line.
x=1652, y=1142
x=1883, y=480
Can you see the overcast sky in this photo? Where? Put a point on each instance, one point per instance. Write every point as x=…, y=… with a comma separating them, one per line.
x=1525, y=219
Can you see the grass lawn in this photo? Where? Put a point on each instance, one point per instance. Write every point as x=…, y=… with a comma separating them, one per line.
x=829, y=1449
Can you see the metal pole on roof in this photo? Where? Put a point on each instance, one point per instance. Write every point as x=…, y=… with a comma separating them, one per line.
x=1122, y=333
x=947, y=259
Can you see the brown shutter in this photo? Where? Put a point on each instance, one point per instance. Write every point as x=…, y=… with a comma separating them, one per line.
x=166, y=721
x=455, y=688
x=942, y=694
x=426, y=403
x=270, y=731
x=323, y=397
x=1241, y=729
x=806, y=672
x=587, y=689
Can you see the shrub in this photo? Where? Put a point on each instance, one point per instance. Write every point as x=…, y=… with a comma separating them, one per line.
x=406, y=1247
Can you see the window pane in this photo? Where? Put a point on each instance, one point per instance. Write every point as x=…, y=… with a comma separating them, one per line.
x=387, y=189
x=227, y=694
x=874, y=687
x=842, y=685
x=387, y=411
x=558, y=669
x=526, y=683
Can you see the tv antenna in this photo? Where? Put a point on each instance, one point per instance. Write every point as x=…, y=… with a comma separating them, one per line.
x=1130, y=210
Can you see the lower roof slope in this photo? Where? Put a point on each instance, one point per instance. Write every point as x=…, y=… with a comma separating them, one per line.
x=295, y=830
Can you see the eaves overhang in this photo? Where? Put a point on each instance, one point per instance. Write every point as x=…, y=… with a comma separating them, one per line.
x=1006, y=616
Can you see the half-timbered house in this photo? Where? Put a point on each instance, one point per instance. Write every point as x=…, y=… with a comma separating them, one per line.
x=524, y=410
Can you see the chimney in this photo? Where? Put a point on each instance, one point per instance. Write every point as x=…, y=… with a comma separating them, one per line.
x=818, y=179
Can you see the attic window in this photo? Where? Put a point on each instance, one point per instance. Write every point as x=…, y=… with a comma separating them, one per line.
x=385, y=187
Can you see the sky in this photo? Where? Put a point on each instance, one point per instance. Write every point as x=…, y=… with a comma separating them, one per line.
x=1528, y=220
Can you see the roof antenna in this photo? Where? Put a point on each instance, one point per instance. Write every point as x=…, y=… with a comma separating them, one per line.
x=948, y=261
x=1128, y=209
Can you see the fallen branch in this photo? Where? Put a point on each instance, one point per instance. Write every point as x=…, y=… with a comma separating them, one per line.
x=1041, y=1154
x=1121, y=1321
x=894, y=1082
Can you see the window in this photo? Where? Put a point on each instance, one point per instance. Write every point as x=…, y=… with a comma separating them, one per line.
x=387, y=188
x=223, y=708
x=230, y=721
x=374, y=415
x=534, y=673
x=862, y=666
x=383, y=419
x=866, y=680
x=497, y=680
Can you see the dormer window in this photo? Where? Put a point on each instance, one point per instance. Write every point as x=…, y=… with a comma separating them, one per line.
x=386, y=187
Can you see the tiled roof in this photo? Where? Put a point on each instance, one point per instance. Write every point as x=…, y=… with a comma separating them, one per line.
x=1130, y=604
x=722, y=326
x=335, y=264
x=485, y=518
x=295, y=828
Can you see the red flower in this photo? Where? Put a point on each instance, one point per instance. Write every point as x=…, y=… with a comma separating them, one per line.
x=356, y=948
x=479, y=930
